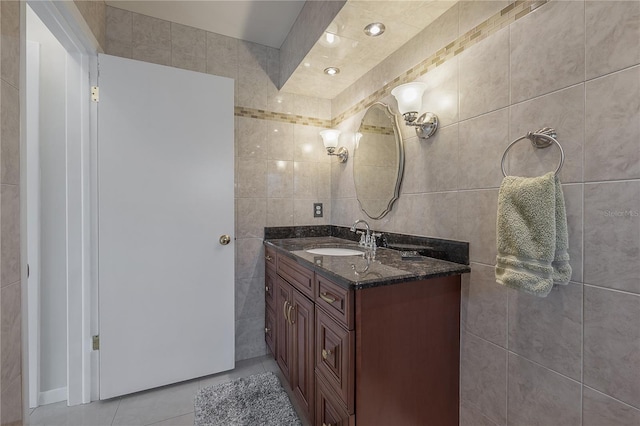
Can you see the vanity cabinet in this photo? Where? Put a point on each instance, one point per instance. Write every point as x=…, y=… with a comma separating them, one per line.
x=385, y=355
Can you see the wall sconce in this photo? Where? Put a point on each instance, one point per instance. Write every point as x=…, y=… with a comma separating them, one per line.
x=330, y=139
x=409, y=97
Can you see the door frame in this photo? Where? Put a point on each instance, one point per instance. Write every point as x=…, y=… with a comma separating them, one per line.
x=66, y=23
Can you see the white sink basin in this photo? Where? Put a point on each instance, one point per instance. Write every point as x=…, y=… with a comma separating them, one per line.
x=334, y=251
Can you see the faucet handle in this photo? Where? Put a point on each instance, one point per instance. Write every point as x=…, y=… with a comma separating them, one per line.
x=363, y=238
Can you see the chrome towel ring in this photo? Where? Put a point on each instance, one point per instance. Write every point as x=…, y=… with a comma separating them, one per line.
x=539, y=139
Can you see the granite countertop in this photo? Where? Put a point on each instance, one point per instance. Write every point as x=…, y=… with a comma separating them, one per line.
x=357, y=272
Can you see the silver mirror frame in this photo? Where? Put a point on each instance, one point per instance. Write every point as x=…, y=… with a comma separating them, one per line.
x=399, y=152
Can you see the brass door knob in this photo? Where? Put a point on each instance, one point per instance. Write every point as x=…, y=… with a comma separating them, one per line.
x=225, y=239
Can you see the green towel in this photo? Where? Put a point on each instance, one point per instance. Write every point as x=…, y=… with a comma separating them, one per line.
x=532, y=234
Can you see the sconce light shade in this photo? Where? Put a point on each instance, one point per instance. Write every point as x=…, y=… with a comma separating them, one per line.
x=330, y=138
x=409, y=97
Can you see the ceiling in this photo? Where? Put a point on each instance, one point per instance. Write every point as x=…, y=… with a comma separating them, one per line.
x=264, y=22
x=268, y=22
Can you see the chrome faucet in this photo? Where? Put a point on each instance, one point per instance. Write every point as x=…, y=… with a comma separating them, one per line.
x=367, y=239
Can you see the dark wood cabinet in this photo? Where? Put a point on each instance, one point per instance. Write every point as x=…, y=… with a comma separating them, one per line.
x=284, y=347
x=302, y=374
x=386, y=355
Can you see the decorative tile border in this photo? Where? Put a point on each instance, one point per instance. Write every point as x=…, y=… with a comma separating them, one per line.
x=500, y=20
x=280, y=116
x=380, y=130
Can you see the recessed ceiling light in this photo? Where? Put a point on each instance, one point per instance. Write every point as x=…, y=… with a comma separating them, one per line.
x=307, y=64
x=332, y=70
x=374, y=29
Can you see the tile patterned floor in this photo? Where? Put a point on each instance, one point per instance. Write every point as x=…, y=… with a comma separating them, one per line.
x=166, y=406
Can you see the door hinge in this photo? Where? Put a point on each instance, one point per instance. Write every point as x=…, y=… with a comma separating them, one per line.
x=95, y=94
x=95, y=342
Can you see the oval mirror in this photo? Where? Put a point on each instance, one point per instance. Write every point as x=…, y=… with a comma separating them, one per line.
x=378, y=161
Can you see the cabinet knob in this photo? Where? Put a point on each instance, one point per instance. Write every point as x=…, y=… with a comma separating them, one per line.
x=269, y=258
x=267, y=329
x=326, y=424
x=266, y=288
x=326, y=353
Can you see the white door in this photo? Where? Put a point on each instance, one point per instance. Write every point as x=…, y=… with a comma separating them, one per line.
x=165, y=197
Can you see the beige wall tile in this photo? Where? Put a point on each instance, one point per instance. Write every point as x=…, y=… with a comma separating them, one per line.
x=564, y=111
x=482, y=142
x=483, y=377
x=251, y=138
x=11, y=372
x=187, y=62
x=432, y=165
x=10, y=134
x=188, y=40
x=280, y=141
x=548, y=330
x=484, y=76
x=252, y=88
x=251, y=215
x=573, y=201
x=473, y=13
x=151, y=54
x=119, y=26
x=279, y=179
x=10, y=232
x=94, y=13
x=599, y=409
x=251, y=178
x=250, y=298
x=484, y=305
x=252, y=56
x=613, y=31
x=250, y=338
x=305, y=178
x=477, y=224
x=612, y=127
x=222, y=55
x=471, y=416
x=151, y=32
x=10, y=42
x=611, y=237
x=434, y=214
x=539, y=63
x=280, y=212
x=249, y=258
x=540, y=396
x=612, y=343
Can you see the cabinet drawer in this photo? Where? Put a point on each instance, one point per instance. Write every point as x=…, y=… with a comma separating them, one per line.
x=329, y=411
x=270, y=288
x=270, y=329
x=298, y=276
x=336, y=300
x=335, y=357
x=269, y=258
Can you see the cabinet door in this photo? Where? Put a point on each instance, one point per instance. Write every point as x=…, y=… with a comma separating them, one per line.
x=329, y=411
x=303, y=327
x=335, y=357
x=283, y=330
x=270, y=330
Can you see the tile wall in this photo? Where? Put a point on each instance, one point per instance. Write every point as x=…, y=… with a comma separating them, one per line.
x=572, y=357
x=10, y=286
x=281, y=167
x=94, y=14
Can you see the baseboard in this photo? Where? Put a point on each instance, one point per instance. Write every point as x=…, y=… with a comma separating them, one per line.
x=51, y=396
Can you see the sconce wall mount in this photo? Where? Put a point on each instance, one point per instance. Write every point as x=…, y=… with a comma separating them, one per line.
x=409, y=97
x=330, y=139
